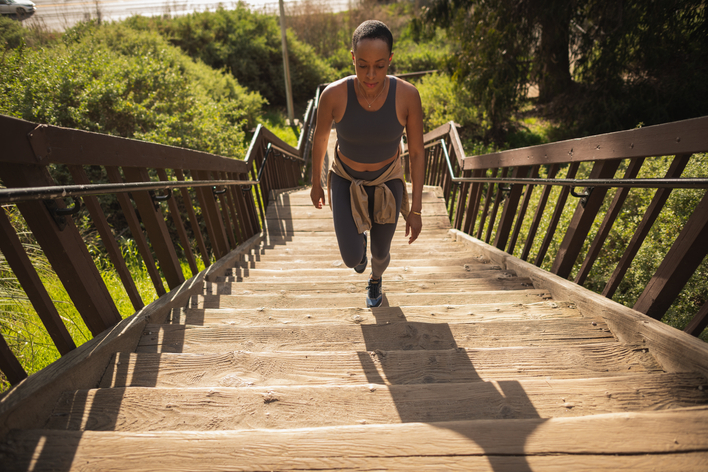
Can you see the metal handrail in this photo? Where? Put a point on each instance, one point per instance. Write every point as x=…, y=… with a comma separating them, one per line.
x=689, y=183
x=13, y=195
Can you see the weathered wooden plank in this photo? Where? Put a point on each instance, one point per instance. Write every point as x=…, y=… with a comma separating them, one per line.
x=404, y=335
x=304, y=212
x=29, y=404
x=335, y=262
x=396, y=272
x=248, y=299
x=429, y=313
x=224, y=408
x=245, y=369
x=289, y=226
x=665, y=432
x=677, y=351
x=392, y=285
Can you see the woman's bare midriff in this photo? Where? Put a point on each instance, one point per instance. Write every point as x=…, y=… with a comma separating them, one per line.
x=360, y=167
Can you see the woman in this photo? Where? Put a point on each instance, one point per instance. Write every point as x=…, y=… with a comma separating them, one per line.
x=370, y=111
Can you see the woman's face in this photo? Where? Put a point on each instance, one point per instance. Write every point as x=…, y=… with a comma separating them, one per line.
x=371, y=58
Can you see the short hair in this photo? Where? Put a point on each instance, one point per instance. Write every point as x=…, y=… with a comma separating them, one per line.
x=373, y=29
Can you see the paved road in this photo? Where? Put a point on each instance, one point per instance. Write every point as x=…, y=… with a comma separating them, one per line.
x=57, y=15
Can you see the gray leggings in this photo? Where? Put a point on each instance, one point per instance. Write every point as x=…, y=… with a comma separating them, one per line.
x=351, y=243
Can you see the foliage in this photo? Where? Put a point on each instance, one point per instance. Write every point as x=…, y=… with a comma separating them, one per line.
x=119, y=81
x=445, y=100
x=634, y=61
x=247, y=45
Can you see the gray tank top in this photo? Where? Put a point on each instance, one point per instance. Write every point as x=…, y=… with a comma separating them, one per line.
x=369, y=136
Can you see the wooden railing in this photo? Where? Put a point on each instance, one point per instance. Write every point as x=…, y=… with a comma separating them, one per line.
x=223, y=200
x=488, y=196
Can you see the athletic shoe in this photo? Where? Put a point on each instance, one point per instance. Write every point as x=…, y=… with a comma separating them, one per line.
x=374, y=296
x=361, y=267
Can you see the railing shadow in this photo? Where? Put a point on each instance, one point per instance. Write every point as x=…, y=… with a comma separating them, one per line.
x=444, y=362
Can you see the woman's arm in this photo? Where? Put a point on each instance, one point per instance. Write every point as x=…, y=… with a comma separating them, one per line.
x=416, y=155
x=319, y=146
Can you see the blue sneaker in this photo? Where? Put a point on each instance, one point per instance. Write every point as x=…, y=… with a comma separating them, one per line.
x=374, y=296
x=361, y=267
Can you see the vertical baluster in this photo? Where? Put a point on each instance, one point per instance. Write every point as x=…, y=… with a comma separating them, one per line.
x=497, y=200
x=682, y=260
x=10, y=366
x=583, y=219
x=154, y=223
x=545, y=193
x=474, y=202
x=109, y=241
x=179, y=226
x=65, y=250
x=522, y=212
x=461, y=202
x=699, y=322
x=510, y=207
x=21, y=266
x=487, y=201
x=555, y=219
x=608, y=222
x=207, y=203
x=138, y=236
x=193, y=222
x=223, y=206
x=650, y=215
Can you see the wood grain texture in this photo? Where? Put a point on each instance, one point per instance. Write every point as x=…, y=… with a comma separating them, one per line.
x=250, y=299
x=245, y=369
x=223, y=408
x=265, y=316
x=670, y=432
x=394, y=336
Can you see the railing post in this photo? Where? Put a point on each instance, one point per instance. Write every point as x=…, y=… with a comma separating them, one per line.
x=582, y=220
x=545, y=193
x=522, y=213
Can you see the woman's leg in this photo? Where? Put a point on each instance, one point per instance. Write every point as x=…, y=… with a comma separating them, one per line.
x=381, y=235
x=351, y=243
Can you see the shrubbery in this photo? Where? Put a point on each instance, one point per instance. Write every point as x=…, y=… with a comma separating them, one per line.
x=120, y=81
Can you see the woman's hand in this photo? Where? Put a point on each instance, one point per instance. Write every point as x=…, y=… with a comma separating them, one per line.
x=414, y=224
x=318, y=196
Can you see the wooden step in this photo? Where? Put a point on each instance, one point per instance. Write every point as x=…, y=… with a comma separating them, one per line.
x=336, y=262
x=204, y=409
x=286, y=227
x=245, y=369
x=298, y=212
x=404, y=335
x=265, y=316
x=250, y=299
x=360, y=286
x=392, y=273
x=610, y=440
x=318, y=254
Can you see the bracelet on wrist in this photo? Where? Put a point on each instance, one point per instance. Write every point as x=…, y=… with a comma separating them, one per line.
x=417, y=213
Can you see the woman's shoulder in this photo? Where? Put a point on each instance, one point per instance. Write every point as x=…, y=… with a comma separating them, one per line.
x=337, y=86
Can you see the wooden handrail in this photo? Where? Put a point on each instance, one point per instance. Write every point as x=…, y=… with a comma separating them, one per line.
x=474, y=200
x=230, y=216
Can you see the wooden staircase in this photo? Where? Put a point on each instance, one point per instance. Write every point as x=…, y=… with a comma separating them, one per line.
x=278, y=366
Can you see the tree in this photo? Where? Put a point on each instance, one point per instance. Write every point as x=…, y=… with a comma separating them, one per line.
x=634, y=60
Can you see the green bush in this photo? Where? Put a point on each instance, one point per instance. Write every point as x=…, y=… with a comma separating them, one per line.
x=116, y=80
x=248, y=45
x=444, y=100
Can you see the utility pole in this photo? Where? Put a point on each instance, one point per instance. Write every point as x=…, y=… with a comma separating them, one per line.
x=286, y=66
